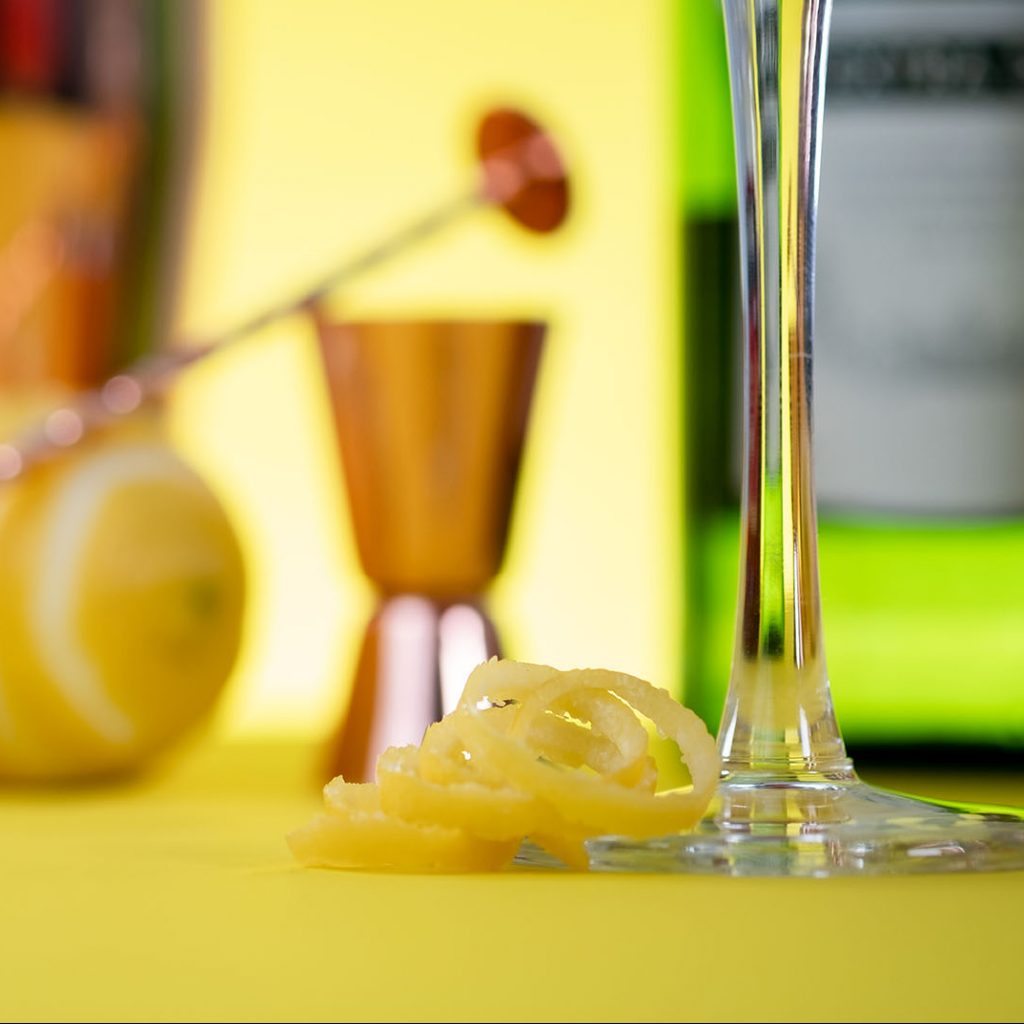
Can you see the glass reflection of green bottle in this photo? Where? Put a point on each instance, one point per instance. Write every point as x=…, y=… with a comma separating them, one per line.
x=710, y=316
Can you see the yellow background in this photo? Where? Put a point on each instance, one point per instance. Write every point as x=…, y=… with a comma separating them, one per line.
x=330, y=123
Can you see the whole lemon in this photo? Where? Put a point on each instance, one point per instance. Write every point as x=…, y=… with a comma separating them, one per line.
x=121, y=603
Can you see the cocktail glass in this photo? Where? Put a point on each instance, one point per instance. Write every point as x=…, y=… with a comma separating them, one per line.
x=789, y=801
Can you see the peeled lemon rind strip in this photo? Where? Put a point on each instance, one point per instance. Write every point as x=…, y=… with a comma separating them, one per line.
x=375, y=842
x=440, y=759
x=642, y=774
x=672, y=720
x=567, y=845
x=614, y=742
x=351, y=797
x=597, y=805
x=499, y=680
x=615, y=720
x=356, y=833
x=568, y=743
x=443, y=758
x=623, y=758
x=593, y=803
x=489, y=812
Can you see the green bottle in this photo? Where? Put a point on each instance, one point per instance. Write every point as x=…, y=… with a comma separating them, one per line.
x=919, y=375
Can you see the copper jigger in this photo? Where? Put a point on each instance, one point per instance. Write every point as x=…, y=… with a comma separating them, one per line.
x=430, y=417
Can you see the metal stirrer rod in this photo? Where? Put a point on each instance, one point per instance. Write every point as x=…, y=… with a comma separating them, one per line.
x=520, y=168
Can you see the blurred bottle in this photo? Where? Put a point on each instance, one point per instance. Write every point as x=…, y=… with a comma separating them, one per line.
x=122, y=584
x=919, y=382
x=96, y=130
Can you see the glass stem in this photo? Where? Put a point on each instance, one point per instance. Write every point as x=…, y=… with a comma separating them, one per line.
x=778, y=718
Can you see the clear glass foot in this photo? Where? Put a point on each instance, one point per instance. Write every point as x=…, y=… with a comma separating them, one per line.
x=818, y=829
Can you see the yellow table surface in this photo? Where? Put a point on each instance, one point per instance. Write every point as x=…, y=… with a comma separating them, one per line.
x=174, y=899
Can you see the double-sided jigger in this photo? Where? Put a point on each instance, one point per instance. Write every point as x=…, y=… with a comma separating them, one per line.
x=431, y=417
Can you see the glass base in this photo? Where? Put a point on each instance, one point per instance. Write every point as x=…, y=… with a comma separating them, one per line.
x=818, y=829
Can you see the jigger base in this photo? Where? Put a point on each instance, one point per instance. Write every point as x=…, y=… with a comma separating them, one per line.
x=415, y=658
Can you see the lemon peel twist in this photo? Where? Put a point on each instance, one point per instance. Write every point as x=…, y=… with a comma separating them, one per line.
x=529, y=752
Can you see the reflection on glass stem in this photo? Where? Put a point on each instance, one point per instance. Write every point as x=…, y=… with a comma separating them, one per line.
x=778, y=717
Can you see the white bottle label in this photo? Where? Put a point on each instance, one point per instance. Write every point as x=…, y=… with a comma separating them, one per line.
x=919, y=334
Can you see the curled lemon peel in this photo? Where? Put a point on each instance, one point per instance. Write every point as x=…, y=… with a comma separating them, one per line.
x=350, y=834
x=614, y=741
x=529, y=752
x=490, y=812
